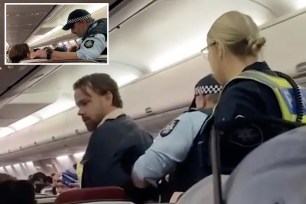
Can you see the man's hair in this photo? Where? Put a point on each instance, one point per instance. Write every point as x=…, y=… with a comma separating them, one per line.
x=60, y=49
x=100, y=83
x=19, y=52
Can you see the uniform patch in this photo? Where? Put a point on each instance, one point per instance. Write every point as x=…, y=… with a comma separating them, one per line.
x=89, y=43
x=168, y=129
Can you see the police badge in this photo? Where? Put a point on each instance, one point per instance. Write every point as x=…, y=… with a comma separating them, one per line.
x=89, y=43
x=168, y=129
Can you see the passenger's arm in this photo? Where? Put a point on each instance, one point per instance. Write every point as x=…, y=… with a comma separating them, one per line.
x=171, y=146
x=55, y=55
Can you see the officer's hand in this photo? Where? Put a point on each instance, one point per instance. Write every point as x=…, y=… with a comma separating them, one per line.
x=39, y=54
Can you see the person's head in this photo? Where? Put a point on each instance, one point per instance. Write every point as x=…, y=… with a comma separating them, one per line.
x=73, y=49
x=206, y=93
x=60, y=49
x=39, y=181
x=17, y=192
x=19, y=52
x=78, y=21
x=6, y=177
x=35, y=49
x=233, y=42
x=96, y=95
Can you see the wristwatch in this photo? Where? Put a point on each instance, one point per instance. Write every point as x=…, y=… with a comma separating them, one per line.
x=49, y=52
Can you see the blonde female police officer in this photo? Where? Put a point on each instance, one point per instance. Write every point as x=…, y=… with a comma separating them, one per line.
x=251, y=88
x=176, y=148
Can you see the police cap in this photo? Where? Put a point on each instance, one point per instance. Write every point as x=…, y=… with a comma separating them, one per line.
x=207, y=85
x=76, y=16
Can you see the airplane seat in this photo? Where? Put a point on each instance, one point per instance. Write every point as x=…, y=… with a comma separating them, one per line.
x=273, y=173
x=84, y=195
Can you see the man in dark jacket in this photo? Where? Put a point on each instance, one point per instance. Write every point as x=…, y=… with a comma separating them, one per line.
x=116, y=141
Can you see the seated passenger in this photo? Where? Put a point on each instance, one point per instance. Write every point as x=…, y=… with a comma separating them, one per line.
x=68, y=181
x=39, y=180
x=19, y=52
x=17, y=192
x=252, y=89
x=116, y=141
x=60, y=49
x=177, y=150
x=93, y=34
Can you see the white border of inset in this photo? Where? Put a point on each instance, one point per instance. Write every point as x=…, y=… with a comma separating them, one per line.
x=38, y=64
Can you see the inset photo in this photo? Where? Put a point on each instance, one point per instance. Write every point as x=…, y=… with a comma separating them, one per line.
x=40, y=33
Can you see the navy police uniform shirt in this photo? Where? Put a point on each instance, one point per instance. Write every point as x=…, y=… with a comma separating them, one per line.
x=247, y=98
x=244, y=98
x=93, y=45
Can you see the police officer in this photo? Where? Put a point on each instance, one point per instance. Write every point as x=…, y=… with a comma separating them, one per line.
x=93, y=34
x=252, y=90
x=176, y=148
x=116, y=141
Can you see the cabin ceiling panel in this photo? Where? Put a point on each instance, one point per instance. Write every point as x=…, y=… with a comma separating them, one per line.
x=61, y=81
x=286, y=44
x=13, y=112
x=10, y=76
x=21, y=21
x=168, y=26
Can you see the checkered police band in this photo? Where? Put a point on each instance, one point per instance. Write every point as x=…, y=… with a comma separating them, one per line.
x=79, y=19
x=210, y=89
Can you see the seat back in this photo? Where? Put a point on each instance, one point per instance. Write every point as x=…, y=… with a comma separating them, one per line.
x=92, y=195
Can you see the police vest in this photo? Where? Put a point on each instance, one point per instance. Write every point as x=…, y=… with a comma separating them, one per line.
x=100, y=28
x=283, y=91
x=191, y=170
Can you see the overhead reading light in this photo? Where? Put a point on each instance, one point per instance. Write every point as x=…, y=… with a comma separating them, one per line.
x=29, y=163
x=5, y=131
x=15, y=165
x=178, y=54
x=79, y=154
x=63, y=157
x=1, y=169
x=8, y=167
x=25, y=122
x=61, y=105
x=125, y=79
x=95, y=7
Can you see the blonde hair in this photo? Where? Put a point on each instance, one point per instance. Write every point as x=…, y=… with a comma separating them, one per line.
x=238, y=32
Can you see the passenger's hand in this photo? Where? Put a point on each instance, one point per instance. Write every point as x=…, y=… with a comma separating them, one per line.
x=39, y=54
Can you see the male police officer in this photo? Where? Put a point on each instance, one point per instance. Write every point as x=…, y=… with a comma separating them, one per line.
x=93, y=33
x=177, y=149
